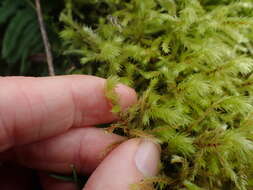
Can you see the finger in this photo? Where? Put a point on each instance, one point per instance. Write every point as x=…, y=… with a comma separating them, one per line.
x=49, y=183
x=129, y=163
x=32, y=109
x=84, y=148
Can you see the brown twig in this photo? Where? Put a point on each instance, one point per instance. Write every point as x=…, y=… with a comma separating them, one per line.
x=45, y=39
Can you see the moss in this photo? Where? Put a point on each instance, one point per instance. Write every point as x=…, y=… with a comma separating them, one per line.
x=191, y=62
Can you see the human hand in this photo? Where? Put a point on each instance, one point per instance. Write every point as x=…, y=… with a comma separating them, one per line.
x=46, y=124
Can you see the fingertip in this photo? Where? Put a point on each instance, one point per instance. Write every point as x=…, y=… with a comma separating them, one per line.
x=127, y=96
x=128, y=164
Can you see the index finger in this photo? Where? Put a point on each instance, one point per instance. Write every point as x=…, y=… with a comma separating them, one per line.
x=33, y=109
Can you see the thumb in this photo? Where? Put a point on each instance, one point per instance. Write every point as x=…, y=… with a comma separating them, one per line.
x=128, y=164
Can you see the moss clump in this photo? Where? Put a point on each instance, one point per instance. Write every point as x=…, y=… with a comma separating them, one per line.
x=191, y=62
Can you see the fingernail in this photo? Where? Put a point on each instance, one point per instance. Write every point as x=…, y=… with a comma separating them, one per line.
x=147, y=158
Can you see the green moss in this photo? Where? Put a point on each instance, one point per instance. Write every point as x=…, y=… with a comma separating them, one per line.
x=191, y=62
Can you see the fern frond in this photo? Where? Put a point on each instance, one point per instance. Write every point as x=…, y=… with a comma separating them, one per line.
x=28, y=35
x=14, y=31
x=7, y=9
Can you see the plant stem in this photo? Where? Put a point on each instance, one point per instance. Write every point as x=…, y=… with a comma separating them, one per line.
x=45, y=39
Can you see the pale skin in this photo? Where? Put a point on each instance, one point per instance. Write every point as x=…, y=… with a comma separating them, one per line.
x=48, y=124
